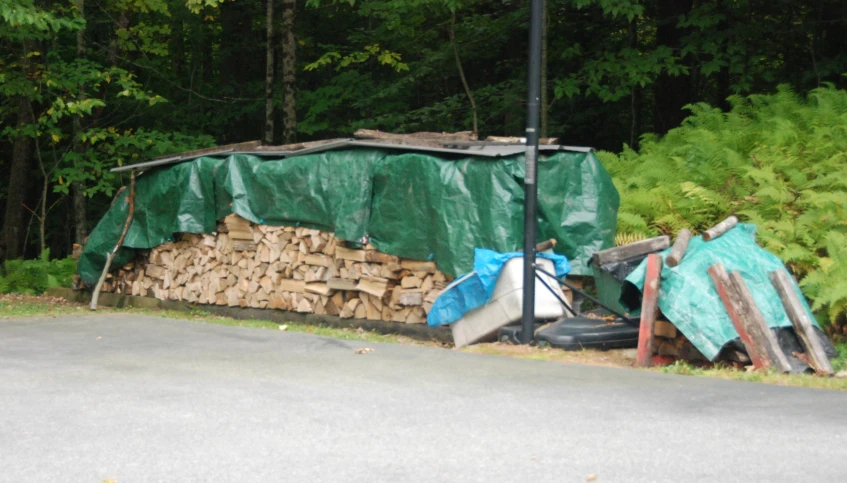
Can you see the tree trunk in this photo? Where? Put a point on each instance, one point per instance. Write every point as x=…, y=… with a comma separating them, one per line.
x=672, y=93
x=468, y=91
x=544, y=101
x=77, y=190
x=269, y=75
x=13, y=225
x=289, y=58
x=635, y=95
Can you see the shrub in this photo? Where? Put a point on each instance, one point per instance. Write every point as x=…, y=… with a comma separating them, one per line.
x=777, y=160
x=37, y=275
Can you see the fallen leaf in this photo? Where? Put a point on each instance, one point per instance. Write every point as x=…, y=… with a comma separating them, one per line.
x=364, y=350
x=590, y=477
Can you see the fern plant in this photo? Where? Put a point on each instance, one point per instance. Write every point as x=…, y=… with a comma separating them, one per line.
x=35, y=276
x=776, y=160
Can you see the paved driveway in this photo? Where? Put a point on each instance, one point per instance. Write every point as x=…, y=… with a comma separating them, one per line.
x=132, y=398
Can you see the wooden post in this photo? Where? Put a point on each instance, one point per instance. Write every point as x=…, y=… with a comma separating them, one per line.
x=680, y=246
x=649, y=309
x=720, y=228
x=111, y=256
x=799, y=316
x=729, y=297
x=760, y=333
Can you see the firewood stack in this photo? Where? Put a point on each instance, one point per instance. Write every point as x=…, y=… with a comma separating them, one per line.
x=286, y=268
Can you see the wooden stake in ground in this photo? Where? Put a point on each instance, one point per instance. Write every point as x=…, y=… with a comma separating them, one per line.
x=649, y=309
x=679, y=247
x=111, y=256
x=802, y=323
x=720, y=228
x=732, y=304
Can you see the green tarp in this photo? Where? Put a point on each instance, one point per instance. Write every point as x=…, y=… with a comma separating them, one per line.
x=688, y=298
x=413, y=205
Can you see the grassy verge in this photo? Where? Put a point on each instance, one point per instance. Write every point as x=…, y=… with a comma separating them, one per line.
x=23, y=306
x=802, y=380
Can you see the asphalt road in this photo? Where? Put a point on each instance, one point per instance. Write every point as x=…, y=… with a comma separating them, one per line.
x=131, y=398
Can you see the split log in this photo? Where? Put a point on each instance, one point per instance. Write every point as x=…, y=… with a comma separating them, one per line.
x=803, y=326
x=373, y=287
x=342, y=284
x=418, y=266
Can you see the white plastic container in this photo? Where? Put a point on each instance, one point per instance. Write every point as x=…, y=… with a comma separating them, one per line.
x=506, y=304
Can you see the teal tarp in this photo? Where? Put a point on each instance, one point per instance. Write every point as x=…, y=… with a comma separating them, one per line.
x=688, y=298
x=413, y=205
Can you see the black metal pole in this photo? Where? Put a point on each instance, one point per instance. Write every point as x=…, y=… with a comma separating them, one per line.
x=530, y=185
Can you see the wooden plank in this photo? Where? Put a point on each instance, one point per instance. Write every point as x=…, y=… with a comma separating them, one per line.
x=720, y=228
x=803, y=326
x=415, y=137
x=680, y=246
x=643, y=247
x=649, y=310
x=757, y=327
x=732, y=304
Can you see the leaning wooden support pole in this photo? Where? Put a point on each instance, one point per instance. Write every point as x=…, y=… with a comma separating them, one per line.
x=720, y=228
x=732, y=304
x=111, y=256
x=649, y=310
x=760, y=333
x=799, y=316
x=680, y=246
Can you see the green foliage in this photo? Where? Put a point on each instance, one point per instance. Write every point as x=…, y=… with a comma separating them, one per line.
x=33, y=277
x=24, y=13
x=775, y=160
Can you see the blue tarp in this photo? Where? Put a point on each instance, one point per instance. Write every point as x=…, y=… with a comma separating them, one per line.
x=688, y=298
x=474, y=289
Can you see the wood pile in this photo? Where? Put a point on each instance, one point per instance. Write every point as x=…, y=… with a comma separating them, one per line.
x=287, y=268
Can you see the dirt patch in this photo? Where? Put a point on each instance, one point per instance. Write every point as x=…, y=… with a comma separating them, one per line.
x=610, y=358
x=13, y=298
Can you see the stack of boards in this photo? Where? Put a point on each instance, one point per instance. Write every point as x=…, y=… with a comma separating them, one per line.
x=286, y=268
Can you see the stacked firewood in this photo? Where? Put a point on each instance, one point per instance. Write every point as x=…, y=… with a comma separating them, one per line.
x=287, y=268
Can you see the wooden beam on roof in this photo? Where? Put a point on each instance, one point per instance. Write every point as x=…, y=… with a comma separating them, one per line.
x=415, y=137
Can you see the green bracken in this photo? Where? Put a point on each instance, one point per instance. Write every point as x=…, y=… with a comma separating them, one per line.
x=776, y=160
